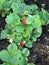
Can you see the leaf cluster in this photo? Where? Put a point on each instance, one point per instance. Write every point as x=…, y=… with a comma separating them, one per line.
x=16, y=30
x=14, y=56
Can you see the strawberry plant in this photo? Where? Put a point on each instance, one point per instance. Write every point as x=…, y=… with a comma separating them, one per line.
x=5, y=6
x=14, y=56
x=44, y=16
x=17, y=31
x=23, y=23
x=23, y=27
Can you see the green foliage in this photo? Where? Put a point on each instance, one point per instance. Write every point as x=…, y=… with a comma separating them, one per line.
x=15, y=30
x=4, y=34
x=44, y=15
x=5, y=6
x=2, y=1
x=19, y=32
x=30, y=64
x=14, y=56
x=29, y=44
x=13, y=19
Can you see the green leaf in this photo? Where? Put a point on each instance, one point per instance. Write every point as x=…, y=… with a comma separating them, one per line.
x=20, y=28
x=37, y=32
x=12, y=48
x=10, y=18
x=30, y=64
x=36, y=21
x=13, y=19
x=17, y=1
x=24, y=9
x=25, y=52
x=30, y=28
x=44, y=15
x=3, y=14
x=4, y=34
x=19, y=53
x=34, y=38
x=8, y=63
x=4, y=55
x=28, y=20
x=6, y=6
x=42, y=22
x=28, y=44
x=22, y=61
x=34, y=7
x=2, y=1
x=3, y=64
x=8, y=27
x=13, y=61
x=16, y=40
x=15, y=7
x=19, y=37
x=26, y=33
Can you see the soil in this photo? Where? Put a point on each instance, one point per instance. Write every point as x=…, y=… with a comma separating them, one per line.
x=3, y=45
x=39, y=53
x=38, y=3
x=4, y=42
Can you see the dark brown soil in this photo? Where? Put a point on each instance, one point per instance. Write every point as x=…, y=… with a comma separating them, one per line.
x=2, y=23
x=3, y=44
x=38, y=3
x=39, y=53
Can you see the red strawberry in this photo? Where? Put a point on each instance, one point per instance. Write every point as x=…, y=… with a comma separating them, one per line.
x=22, y=44
x=24, y=21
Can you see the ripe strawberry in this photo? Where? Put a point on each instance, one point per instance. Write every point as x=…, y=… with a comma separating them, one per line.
x=22, y=44
x=24, y=21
